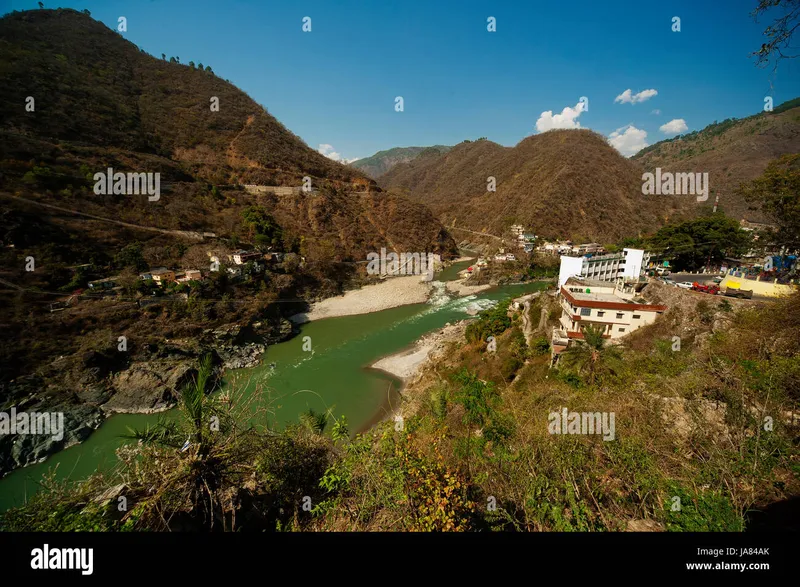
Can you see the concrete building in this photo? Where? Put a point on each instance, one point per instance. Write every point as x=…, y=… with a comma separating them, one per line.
x=107, y=283
x=189, y=275
x=586, y=248
x=526, y=241
x=626, y=265
x=555, y=248
x=585, y=302
x=241, y=257
x=570, y=266
x=162, y=275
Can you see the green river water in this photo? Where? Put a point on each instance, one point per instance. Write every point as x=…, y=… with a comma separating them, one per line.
x=334, y=374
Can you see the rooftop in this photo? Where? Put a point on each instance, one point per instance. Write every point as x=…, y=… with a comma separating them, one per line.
x=588, y=282
x=598, y=297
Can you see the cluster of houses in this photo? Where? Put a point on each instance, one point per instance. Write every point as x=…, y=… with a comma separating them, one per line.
x=503, y=256
x=159, y=275
x=569, y=248
x=241, y=257
x=525, y=240
x=162, y=275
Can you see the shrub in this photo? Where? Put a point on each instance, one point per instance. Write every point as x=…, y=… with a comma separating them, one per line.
x=705, y=312
x=540, y=346
x=490, y=322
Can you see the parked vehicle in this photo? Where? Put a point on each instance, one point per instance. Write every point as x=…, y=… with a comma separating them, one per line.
x=744, y=294
x=662, y=271
x=684, y=285
x=668, y=281
x=708, y=288
x=717, y=280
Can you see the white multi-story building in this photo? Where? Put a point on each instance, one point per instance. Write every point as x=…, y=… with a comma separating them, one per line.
x=585, y=302
x=627, y=265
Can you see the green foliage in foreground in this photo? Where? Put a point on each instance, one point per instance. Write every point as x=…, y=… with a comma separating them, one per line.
x=476, y=454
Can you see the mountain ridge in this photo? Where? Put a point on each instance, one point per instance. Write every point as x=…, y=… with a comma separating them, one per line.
x=383, y=161
x=559, y=183
x=731, y=152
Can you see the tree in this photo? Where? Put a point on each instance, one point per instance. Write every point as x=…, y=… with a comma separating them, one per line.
x=777, y=194
x=208, y=69
x=200, y=66
x=779, y=33
x=163, y=56
x=172, y=60
x=41, y=6
x=591, y=357
x=705, y=240
x=262, y=227
x=191, y=64
x=131, y=256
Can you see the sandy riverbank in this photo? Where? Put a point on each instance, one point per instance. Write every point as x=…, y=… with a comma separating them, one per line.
x=391, y=293
x=407, y=364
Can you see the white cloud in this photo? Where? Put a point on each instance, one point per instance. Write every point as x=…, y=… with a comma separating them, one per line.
x=673, y=127
x=656, y=111
x=627, y=97
x=567, y=119
x=628, y=140
x=328, y=151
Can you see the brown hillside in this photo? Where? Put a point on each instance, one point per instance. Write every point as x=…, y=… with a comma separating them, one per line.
x=101, y=102
x=731, y=152
x=559, y=183
x=93, y=86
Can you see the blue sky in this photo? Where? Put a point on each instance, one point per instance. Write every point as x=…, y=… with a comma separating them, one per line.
x=337, y=84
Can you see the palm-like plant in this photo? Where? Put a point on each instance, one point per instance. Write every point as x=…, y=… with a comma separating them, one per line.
x=315, y=422
x=591, y=356
x=197, y=411
x=207, y=449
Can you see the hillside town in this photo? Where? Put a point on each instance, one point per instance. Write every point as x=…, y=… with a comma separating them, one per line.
x=592, y=281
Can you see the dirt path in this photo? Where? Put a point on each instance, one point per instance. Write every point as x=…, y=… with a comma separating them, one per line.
x=182, y=233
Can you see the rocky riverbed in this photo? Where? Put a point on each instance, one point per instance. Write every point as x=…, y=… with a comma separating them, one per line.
x=88, y=387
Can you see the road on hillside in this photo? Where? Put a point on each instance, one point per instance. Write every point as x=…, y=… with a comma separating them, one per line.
x=704, y=278
x=692, y=277
x=183, y=233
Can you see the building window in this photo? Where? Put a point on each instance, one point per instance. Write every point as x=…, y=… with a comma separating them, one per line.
x=619, y=315
x=636, y=316
x=600, y=314
x=622, y=330
x=586, y=311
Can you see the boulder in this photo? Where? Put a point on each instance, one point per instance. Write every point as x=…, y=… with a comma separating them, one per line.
x=149, y=386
